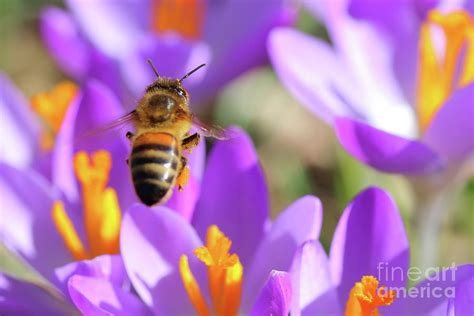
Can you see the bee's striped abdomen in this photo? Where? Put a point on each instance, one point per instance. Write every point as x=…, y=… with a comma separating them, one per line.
x=154, y=163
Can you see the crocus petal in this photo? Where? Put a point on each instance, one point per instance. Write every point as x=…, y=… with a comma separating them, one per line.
x=386, y=14
x=313, y=289
x=152, y=241
x=309, y=68
x=21, y=145
x=26, y=226
x=243, y=43
x=75, y=55
x=452, y=131
x=384, y=151
x=464, y=301
x=300, y=222
x=234, y=195
x=98, y=106
x=379, y=95
x=93, y=296
x=62, y=37
x=108, y=71
x=370, y=239
x=399, y=22
x=469, y=6
x=121, y=24
x=107, y=267
x=22, y=298
x=221, y=29
x=442, y=291
x=62, y=172
x=275, y=297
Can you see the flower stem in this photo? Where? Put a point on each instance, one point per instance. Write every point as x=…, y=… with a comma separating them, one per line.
x=434, y=196
x=430, y=212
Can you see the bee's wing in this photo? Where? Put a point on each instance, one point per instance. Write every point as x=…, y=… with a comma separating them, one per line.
x=121, y=121
x=211, y=130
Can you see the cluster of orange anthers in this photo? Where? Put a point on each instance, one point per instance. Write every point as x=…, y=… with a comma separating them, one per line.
x=225, y=274
x=51, y=108
x=101, y=210
x=437, y=74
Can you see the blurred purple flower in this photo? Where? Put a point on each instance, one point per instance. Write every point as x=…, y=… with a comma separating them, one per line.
x=379, y=88
x=233, y=197
x=370, y=240
x=111, y=40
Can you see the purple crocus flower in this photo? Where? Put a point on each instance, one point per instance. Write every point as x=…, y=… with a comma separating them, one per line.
x=157, y=246
x=397, y=106
x=111, y=41
x=367, y=269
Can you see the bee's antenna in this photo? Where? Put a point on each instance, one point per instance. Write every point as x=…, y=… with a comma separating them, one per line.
x=153, y=67
x=191, y=72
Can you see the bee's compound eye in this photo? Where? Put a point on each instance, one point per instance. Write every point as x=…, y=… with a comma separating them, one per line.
x=162, y=101
x=181, y=92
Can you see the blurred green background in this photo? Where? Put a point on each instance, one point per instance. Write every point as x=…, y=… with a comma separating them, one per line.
x=299, y=153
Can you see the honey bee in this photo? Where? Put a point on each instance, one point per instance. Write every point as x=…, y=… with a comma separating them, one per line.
x=163, y=121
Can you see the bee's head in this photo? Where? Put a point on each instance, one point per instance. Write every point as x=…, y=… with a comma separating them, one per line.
x=165, y=97
x=168, y=86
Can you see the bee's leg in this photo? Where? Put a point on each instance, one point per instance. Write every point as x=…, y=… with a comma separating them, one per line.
x=191, y=142
x=129, y=135
x=183, y=174
x=126, y=161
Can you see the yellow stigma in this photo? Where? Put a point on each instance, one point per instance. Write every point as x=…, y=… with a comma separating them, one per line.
x=437, y=78
x=101, y=212
x=366, y=296
x=225, y=274
x=185, y=17
x=51, y=107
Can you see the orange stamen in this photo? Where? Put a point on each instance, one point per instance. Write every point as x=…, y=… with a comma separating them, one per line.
x=192, y=287
x=68, y=232
x=93, y=174
x=436, y=79
x=366, y=297
x=110, y=224
x=51, y=107
x=185, y=17
x=102, y=213
x=225, y=273
x=467, y=75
